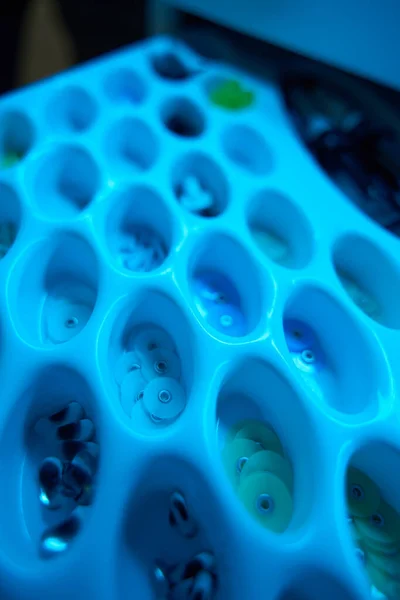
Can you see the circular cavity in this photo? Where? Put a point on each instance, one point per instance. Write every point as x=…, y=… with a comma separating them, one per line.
x=200, y=185
x=183, y=117
x=309, y=583
x=131, y=146
x=124, y=85
x=376, y=528
x=139, y=230
x=46, y=472
x=280, y=229
x=64, y=181
x=170, y=66
x=247, y=412
x=60, y=277
x=368, y=275
x=10, y=218
x=247, y=149
x=72, y=109
x=336, y=358
x=16, y=138
x=228, y=300
x=230, y=94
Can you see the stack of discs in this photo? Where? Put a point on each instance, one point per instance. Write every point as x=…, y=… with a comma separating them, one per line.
x=260, y=473
x=375, y=527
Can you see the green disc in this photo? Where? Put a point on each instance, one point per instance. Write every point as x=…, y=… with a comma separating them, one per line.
x=385, y=584
x=389, y=564
x=270, y=462
x=268, y=500
x=363, y=495
x=235, y=455
x=383, y=526
x=261, y=433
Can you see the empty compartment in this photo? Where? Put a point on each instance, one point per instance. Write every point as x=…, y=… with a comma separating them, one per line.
x=50, y=474
x=368, y=275
x=172, y=65
x=200, y=185
x=139, y=230
x=312, y=584
x=247, y=149
x=124, y=85
x=372, y=496
x=150, y=362
x=230, y=94
x=267, y=446
x=10, y=218
x=183, y=117
x=189, y=552
x=16, y=138
x=333, y=355
x=54, y=289
x=72, y=109
x=64, y=180
x=131, y=146
x=228, y=299
x=280, y=230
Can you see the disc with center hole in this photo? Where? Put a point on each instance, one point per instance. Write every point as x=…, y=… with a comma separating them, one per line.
x=234, y=456
x=268, y=500
x=161, y=363
x=164, y=399
x=389, y=564
x=132, y=389
x=363, y=495
x=227, y=319
x=64, y=319
x=150, y=338
x=258, y=432
x=356, y=535
x=383, y=582
x=385, y=530
x=272, y=463
x=128, y=362
x=379, y=547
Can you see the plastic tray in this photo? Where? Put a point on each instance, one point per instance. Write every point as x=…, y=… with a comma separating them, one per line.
x=92, y=159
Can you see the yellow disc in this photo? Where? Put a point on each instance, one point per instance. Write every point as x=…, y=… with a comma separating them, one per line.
x=389, y=564
x=272, y=463
x=261, y=433
x=267, y=498
x=383, y=526
x=385, y=584
x=235, y=455
x=363, y=495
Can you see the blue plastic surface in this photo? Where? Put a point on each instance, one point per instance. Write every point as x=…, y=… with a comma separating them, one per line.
x=161, y=321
